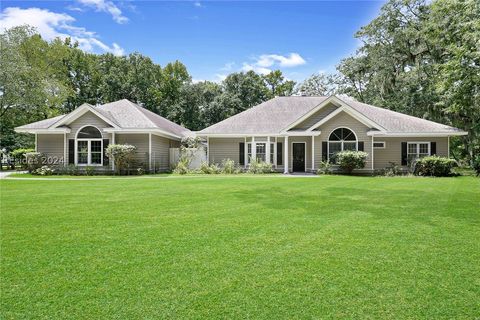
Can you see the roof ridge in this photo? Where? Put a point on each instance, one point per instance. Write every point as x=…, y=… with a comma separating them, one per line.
x=142, y=110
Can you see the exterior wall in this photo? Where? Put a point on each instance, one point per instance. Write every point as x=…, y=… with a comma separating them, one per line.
x=316, y=117
x=140, y=140
x=88, y=119
x=308, y=152
x=393, y=149
x=52, y=145
x=223, y=148
x=344, y=120
x=160, y=153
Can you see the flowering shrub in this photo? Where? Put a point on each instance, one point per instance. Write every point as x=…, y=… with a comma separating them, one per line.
x=434, y=166
x=350, y=160
x=209, y=169
x=182, y=166
x=123, y=156
x=325, y=167
x=259, y=166
x=33, y=161
x=43, y=171
x=228, y=167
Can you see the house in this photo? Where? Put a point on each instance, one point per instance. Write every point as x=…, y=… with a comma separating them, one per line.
x=81, y=137
x=296, y=133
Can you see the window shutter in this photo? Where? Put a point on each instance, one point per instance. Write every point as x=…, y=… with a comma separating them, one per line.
x=106, y=142
x=360, y=146
x=71, y=151
x=279, y=154
x=433, y=148
x=324, y=150
x=241, y=153
x=404, y=153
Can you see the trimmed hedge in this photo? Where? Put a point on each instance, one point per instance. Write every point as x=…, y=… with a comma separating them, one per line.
x=350, y=160
x=434, y=166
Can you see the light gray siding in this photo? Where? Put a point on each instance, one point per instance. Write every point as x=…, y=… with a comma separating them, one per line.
x=224, y=148
x=346, y=121
x=316, y=117
x=160, y=153
x=139, y=140
x=88, y=119
x=393, y=150
x=52, y=146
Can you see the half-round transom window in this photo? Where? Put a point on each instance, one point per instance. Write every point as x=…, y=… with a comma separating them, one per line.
x=341, y=139
x=89, y=132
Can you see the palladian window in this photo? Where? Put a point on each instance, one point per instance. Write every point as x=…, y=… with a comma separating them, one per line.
x=89, y=146
x=341, y=139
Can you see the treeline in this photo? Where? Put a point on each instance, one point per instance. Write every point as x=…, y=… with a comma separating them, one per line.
x=417, y=57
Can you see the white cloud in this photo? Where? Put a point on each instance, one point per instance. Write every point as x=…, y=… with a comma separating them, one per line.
x=197, y=4
x=292, y=60
x=228, y=66
x=108, y=7
x=266, y=62
x=52, y=25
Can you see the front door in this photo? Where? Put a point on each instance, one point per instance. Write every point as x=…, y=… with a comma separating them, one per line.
x=298, y=157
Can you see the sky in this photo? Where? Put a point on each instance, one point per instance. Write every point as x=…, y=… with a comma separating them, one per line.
x=212, y=38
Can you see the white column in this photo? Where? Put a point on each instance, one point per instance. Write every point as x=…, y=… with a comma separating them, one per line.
x=267, y=150
x=448, y=147
x=285, y=162
x=275, y=153
x=208, y=150
x=245, y=153
x=313, y=153
x=36, y=142
x=65, y=150
x=254, y=148
x=113, y=160
x=373, y=166
x=150, y=152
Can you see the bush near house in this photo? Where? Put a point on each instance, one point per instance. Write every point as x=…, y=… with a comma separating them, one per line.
x=33, y=161
x=350, y=160
x=123, y=156
x=476, y=165
x=259, y=166
x=434, y=166
x=19, y=156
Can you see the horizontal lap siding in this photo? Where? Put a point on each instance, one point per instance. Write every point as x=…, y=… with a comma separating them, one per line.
x=140, y=141
x=52, y=145
x=393, y=150
x=88, y=119
x=224, y=148
x=346, y=121
x=160, y=153
x=316, y=117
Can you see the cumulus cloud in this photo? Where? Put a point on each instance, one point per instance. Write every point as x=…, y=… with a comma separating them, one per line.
x=52, y=25
x=197, y=4
x=264, y=63
x=107, y=7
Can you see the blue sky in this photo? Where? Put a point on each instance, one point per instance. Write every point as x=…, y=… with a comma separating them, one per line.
x=211, y=38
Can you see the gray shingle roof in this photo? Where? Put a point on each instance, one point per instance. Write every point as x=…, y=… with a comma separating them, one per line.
x=277, y=114
x=271, y=116
x=126, y=115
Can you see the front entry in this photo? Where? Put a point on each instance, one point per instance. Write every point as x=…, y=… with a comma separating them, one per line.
x=298, y=150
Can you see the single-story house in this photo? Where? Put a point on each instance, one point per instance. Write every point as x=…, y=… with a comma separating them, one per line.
x=296, y=133
x=81, y=136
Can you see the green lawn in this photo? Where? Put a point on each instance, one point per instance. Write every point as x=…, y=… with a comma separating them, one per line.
x=241, y=247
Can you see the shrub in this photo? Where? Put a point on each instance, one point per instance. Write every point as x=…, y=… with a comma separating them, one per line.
x=434, y=166
x=392, y=170
x=209, y=169
x=350, y=160
x=123, y=156
x=44, y=171
x=258, y=166
x=325, y=167
x=73, y=170
x=182, y=166
x=228, y=166
x=476, y=165
x=19, y=156
x=89, y=170
x=33, y=161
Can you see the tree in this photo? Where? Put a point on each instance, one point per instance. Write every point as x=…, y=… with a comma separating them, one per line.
x=319, y=84
x=246, y=87
x=277, y=85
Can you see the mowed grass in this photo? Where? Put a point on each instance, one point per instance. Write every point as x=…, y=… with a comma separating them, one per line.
x=241, y=247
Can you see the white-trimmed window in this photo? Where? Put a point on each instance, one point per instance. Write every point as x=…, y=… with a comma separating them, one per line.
x=379, y=144
x=341, y=139
x=261, y=151
x=417, y=150
x=89, y=146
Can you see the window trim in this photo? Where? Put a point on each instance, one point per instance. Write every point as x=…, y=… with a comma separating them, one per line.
x=89, y=148
x=418, y=143
x=384, y=144
x=340, y=141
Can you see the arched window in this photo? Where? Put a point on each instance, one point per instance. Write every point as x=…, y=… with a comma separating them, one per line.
x=341, y=139
x=89, y=146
